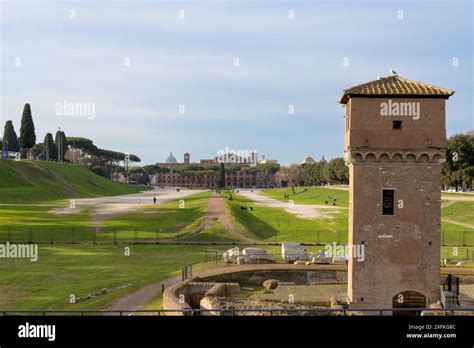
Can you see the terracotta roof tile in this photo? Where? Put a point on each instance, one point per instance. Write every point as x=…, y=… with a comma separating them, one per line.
x=395, y=85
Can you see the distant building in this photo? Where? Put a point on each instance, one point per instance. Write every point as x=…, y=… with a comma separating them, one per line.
x=308, y=160
x=187, y=158
x=243, y=177
x=267, y=161
x=171, y=159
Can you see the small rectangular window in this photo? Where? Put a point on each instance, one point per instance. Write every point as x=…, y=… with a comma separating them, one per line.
x=397, y=125
x=387, y=204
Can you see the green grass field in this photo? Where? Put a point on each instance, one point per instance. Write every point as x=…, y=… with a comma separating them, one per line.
x=459, y=211
x=311, y=195
x=458, y=194
x=277, y=225
x=79, y=270
x=29, y=181
x=452, y=234
x=164, y=221
x=19, y=221
x=215, y=233
x=169, y=220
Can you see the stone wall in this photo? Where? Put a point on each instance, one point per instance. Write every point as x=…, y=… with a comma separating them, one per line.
x=299, y=277
x=172, y=298
x=211, y=300
x=188, y=295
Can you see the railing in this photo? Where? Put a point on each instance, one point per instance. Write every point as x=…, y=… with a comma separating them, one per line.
x=450, y=291
x=271, y=312
x=109, y=235
x=451, y=284
x=186, y=272
x=112, y=235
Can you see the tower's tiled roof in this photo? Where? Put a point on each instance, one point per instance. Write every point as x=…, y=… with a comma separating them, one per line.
x=395, y=85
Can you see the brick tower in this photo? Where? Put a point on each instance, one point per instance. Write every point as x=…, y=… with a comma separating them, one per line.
x=187, y=158
x=394, y=147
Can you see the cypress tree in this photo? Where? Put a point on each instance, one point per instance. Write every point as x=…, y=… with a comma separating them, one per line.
x=27, y=129
x=49, y=148
x=61, y=145
x=10, y=139
x=23, y=152
x=221, y=182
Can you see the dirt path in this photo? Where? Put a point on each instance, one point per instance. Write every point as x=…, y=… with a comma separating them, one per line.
x=143, y=296
x=445, y=204
x=337, y=187
x=109, y=206
x=467, y=197
x=217, y=211
x=305, y=211
x=458, y=223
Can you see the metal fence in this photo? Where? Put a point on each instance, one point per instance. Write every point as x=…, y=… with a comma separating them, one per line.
x=253, y=312
x=457, y=238
x=187, y=272
x=109, y=235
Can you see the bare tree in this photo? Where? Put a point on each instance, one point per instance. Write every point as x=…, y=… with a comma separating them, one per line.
x=292, y=174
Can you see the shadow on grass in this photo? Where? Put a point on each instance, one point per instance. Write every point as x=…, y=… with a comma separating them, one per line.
x=255, y=226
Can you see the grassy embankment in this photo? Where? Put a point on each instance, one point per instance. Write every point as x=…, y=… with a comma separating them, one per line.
x=35, y=181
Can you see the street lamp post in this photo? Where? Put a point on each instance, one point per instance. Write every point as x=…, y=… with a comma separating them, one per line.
x=60, y=146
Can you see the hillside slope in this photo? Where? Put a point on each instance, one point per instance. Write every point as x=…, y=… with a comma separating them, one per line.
x=26, y=181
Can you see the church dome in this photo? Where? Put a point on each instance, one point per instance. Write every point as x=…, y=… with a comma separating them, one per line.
x=308, y=160
x=171, y=159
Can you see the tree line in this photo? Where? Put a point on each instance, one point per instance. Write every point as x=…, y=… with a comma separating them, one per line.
x=334, y=172
x=78, y=150
x=458, y=171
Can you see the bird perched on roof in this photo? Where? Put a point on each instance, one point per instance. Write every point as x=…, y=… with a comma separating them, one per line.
x=393, y=72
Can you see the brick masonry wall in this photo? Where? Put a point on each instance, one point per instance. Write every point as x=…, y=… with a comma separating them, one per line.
x=409, y=261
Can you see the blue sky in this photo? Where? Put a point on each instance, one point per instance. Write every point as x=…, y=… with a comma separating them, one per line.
x=190, y=61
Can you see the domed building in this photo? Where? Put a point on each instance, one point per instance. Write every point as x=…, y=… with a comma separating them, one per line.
x=171, y=159
x=308, y=160
x=187, y=174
